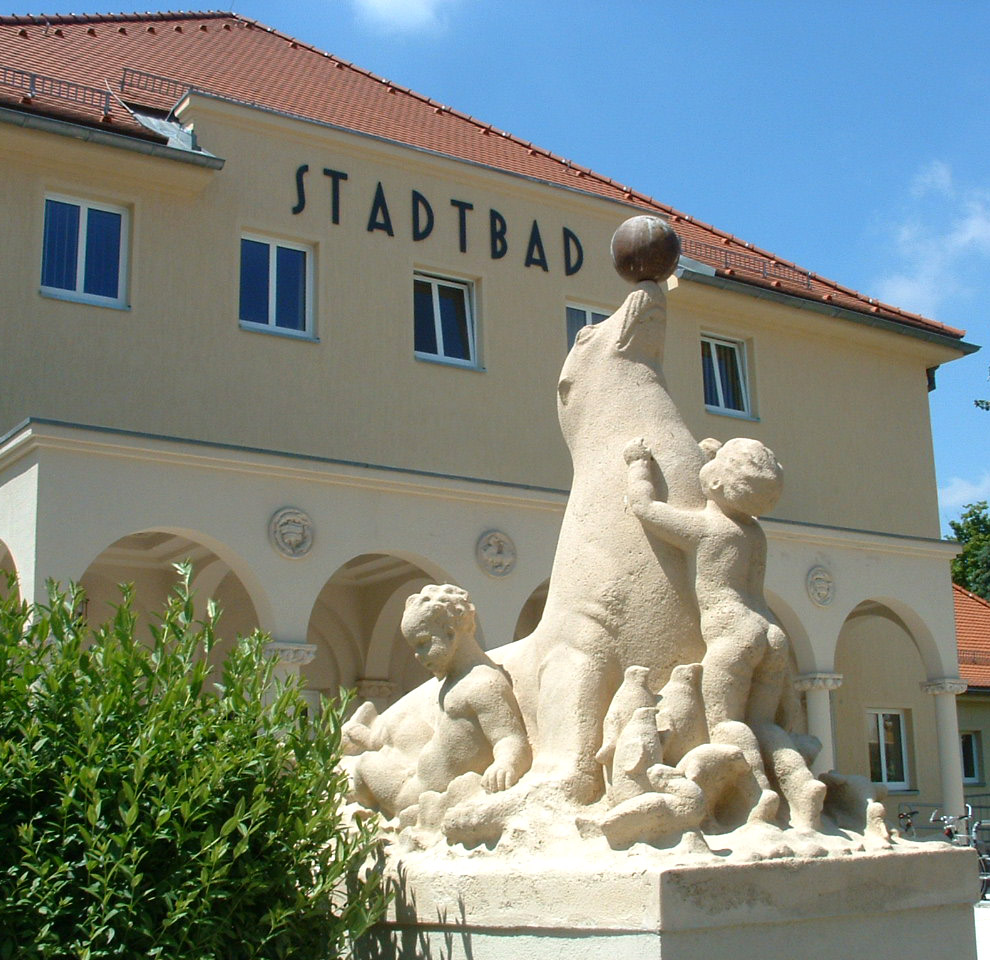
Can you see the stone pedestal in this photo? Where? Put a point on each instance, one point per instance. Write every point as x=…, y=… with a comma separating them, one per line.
x=910, y=904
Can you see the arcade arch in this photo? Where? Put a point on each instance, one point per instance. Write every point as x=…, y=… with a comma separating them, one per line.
x=354, y=626
x=7, y=567
x=147, y=560
x=885, y=724
x=532, y=611
x=802, y=654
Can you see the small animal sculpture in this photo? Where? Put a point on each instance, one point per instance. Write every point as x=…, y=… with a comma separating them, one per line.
x=632, y=694
x=682, y=712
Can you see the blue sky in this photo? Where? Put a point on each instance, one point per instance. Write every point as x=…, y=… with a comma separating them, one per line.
x=849, y=137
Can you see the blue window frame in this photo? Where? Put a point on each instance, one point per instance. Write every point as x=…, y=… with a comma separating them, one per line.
x=443, y=320
x=84, y=251
x=276, y=286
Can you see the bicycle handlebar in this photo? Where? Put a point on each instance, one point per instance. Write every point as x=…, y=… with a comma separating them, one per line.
x=946, y=818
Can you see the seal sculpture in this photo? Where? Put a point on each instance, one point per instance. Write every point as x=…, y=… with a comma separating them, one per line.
x=618, y=595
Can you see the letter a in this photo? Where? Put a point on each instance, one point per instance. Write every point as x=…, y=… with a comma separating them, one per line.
x=379, y=218
x=535, y=254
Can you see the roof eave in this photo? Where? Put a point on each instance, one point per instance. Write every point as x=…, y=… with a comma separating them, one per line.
x=109, y=138
x=831, y=310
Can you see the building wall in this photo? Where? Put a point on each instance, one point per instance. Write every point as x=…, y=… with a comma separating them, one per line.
x=882, y=668
x=177, y=363
x=412, y=459
x=974, y=717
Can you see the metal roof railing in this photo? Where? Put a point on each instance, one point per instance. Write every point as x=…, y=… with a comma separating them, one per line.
x=152, y=83
x=734, y=260
x=37, y=84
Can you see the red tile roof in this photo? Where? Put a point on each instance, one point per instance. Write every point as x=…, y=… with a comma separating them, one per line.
x=973, y=636
x=151, y=59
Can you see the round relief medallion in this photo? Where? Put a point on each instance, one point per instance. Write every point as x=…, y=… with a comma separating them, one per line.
x=496, y=553
x=291, y=532
x=821, y=586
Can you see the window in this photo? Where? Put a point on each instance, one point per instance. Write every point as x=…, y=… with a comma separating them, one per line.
x=578, y=317
x=887, y=741
x=723, y=364
x=444, y=320
x=276, y=286
x=970, y=744
x=84, y=251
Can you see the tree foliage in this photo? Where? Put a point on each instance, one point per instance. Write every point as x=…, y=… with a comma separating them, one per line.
x=971, y=568
x=151, y=809
x=982, y=404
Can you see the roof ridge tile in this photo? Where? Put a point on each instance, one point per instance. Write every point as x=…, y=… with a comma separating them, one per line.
x=40, y=19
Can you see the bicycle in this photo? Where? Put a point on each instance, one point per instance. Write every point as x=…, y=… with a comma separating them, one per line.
x=906, y=820
x=968, y=836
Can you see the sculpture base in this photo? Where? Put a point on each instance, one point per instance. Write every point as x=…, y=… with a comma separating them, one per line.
x=911, y=904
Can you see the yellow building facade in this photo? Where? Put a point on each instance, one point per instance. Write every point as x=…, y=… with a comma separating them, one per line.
x=320, y=363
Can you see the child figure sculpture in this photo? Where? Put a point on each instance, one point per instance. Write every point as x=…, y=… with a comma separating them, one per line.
x=727, y=552
x=478, y=726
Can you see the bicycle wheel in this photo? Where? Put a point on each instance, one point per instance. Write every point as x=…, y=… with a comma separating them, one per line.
x=984, y=876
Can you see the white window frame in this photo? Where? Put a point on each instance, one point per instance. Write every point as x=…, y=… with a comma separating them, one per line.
x=738, y=347
x=589, y=314
x=78, y=295
x=976, y=749
x=308, y=332
x=435, y=280
x=875, y=720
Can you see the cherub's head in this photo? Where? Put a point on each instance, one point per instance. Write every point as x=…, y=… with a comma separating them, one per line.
x=744, y=476
x=434, y=622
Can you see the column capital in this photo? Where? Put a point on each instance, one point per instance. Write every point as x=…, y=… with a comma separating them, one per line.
x=817, y=681
x=952, y=685
x=290, y=653
x=371, y=688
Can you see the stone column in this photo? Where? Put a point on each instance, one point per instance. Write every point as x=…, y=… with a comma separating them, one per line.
x=379, y=692
x=817, y=688
x=945, y=690
x=289, y=657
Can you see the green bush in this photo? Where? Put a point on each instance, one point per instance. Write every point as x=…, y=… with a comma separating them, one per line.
x=149, y=809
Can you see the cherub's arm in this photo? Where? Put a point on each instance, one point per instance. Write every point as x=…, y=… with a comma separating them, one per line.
x=502, y=724
x=682, y=528
x=360, y=733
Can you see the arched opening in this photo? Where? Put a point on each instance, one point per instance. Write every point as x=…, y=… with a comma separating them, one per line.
x=147, y=560
x=7, y=570
x=532, y=611
x=792, y=712
x=355, y=628
x=885, y=723
x=802, y=654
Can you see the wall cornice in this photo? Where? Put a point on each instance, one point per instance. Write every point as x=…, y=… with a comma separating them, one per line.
x=38, y=434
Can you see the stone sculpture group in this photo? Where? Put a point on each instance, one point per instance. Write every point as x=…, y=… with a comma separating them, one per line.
x=654, y=703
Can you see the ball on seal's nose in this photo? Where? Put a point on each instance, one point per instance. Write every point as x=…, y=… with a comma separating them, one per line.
x=645, y=248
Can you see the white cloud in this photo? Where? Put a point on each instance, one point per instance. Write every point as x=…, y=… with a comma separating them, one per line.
x=959, y=492
x=920, y=293
x=972, y=230
x=935, y=177
x=410, y=15
x=940, y=243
